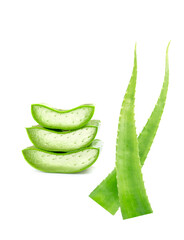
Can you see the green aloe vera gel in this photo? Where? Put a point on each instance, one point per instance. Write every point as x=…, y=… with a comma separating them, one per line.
x=63, y=141
x=70, y=162
x=62, y=119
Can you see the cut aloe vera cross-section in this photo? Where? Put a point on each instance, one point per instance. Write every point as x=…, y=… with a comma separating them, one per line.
x=69, y=162
x=62, y=119
x=63, y=141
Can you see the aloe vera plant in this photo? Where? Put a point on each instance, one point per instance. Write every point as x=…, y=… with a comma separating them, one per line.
x=62, y=119
x=70, y=162
x=106, y=193
x=63, y=141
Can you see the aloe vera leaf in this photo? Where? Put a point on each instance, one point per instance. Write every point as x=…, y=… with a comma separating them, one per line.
x=148, y=133
x=131, y=191
x=106, y=193
x=62, y=119
x=70, y=162
x=63, y=141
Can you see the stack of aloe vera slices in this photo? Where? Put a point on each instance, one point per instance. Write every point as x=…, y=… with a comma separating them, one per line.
x=64, y=139
x=124, y=186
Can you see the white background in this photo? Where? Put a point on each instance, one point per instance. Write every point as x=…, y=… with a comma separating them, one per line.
x=66, y=53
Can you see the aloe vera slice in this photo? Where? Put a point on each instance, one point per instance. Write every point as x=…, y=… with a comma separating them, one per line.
x=69, y=162
x=63, y=141
x=131, y=191
x=62, y=119
x=106, y=193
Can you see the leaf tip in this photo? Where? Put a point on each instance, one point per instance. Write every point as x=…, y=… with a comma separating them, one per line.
x=168, y=46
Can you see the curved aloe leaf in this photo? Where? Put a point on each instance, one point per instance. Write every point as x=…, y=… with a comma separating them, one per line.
x=148, y=133
x=63, y=141
x=106, y=193
x=62, y=119
x=131, y=191
x=70, y=162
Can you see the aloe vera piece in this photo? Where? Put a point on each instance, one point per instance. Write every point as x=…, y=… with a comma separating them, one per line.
x=106, y=193
x=62, y=119
x=148, y=133
x=63, y=141
x=70, y=162
x=131, y=191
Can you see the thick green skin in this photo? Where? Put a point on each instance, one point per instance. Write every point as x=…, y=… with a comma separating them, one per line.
x=63, y=111
x=95, y=145
x=89, y=125
x=106, y=193
x=131, y=191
